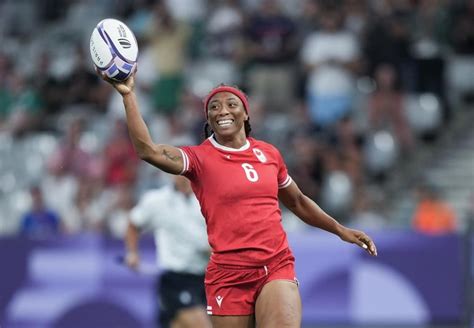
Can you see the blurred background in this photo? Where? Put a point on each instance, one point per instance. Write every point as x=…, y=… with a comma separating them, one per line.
x=369, y=101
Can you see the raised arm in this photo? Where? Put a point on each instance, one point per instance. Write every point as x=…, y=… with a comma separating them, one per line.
x=164, y=157
x=308, y=211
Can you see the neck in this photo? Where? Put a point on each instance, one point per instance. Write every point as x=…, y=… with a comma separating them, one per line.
x=234, y=141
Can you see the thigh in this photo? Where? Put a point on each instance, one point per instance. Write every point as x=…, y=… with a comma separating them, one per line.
x=279, y=305
x=193, y=317
x=233, y=321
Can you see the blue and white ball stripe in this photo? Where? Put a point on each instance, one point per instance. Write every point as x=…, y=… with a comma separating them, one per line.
x=114, y=49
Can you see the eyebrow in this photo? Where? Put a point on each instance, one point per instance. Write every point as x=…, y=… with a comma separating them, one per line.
x=227, y=99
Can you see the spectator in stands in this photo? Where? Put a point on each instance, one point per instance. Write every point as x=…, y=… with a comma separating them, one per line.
x=60, y=188
x=169, y=40
x=462, y=30
x=366, y=213
x=308, y=21
x=308, y=166
x=344, y=145
x=433, y=215
x=386, y=106
x=388, y=40
x=40, y=221
x=120, y=159
x=5, y=93
x=357, y=16
x=89, y=206
x=23, y=112
x=429, y=39
x=51, y=88
x=82, y=85
x=331, y=56
x=271, y=47
x=69, y=155
x=224, y=30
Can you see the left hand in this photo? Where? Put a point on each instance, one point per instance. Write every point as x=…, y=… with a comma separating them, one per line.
x=359, y=238
x=132, y=260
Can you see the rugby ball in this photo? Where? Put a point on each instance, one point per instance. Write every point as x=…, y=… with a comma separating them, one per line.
x=114, y=49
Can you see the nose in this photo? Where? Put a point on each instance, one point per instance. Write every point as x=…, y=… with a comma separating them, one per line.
x=223, y=110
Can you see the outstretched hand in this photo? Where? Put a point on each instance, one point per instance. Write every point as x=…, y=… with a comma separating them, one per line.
x=359, y=238
x=125, y=87
x=132, y=260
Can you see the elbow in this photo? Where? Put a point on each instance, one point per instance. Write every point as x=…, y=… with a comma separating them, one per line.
x=143, y=155
x=145, y=152
x=295, y=203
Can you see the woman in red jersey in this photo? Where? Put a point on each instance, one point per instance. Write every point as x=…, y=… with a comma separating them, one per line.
x=250, y=279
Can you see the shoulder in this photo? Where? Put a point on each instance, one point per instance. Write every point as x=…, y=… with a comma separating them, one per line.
x=203, y=147
x=194, y=156
x=263, y=146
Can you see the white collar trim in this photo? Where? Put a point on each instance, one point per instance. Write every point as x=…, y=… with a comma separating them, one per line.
x=219, y=146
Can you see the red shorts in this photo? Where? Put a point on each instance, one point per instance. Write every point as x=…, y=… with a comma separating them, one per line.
x=233, y=290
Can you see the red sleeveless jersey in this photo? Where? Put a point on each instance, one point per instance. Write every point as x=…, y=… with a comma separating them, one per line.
x=238, y=193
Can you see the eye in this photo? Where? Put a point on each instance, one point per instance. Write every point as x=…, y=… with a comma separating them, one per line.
x=233, y=105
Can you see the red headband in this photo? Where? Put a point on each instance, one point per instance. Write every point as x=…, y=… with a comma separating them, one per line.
x=226, y=88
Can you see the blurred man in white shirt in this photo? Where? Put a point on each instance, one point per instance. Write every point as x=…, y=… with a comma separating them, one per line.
x=173, y=214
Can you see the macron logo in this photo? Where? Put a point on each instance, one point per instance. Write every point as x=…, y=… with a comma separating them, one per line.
x=219, y=300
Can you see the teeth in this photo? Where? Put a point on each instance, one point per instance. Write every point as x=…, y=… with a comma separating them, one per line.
x=224, y=122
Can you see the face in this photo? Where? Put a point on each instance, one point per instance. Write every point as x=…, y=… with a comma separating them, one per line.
x=226, y=114
x=385, y=76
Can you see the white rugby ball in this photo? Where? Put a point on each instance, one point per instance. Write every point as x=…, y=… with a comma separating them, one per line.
x=114, y=49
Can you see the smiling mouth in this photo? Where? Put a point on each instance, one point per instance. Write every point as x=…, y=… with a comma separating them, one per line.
x=225, y=123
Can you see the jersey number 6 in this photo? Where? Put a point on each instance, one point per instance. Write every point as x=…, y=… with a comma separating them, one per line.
x=250, y=172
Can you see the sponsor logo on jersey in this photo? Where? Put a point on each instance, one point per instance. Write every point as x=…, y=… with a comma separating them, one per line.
x=260, y=155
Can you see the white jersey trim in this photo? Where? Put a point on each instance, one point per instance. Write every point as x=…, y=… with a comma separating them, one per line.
x=185, y=161
x=218, y=145
x=285, y=183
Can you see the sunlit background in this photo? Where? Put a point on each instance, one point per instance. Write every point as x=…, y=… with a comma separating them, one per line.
x=369, y=101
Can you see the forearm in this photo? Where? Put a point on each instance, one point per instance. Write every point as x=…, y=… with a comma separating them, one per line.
x=132, y=236
x=312, y=214
x=308, y=211
x=164, y=157
x=137, y=128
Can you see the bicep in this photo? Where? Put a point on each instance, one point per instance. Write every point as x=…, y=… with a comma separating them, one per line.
x=167, y=158
x=290, y=196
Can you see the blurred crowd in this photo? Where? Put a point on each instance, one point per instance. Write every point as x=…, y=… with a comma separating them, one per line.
x=345, y=88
